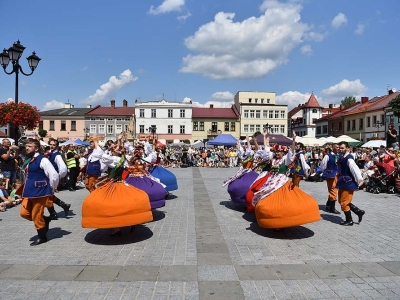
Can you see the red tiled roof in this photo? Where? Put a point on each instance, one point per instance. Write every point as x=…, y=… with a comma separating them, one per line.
x=383, y=102
x=216, y=112
x=112, y=111
x=312, y=102
x=341, y=113
x=332, y=110
x=295, y=110
x=3, y=135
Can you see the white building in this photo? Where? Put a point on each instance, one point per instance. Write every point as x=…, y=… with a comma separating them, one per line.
x=172, y=121
x=302, y=118
x=259, y=108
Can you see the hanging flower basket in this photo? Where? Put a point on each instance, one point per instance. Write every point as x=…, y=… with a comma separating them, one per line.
x=21, y=114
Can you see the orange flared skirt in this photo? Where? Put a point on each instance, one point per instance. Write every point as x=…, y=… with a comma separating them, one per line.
x=288, y=206
x=116, y=204
x=255, y=187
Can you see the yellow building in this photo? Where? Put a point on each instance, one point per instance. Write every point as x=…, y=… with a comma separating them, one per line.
x=207, y=123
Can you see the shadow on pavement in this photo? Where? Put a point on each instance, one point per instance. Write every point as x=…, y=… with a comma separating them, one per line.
x=330, y=217
x=292, y=233
x=101, y=236
x=240, y=207
x=157, y=215
x=171, y=197
x=54, y=233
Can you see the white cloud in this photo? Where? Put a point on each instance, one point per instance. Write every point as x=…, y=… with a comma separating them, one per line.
x=53, y=105
x=111, y=87
x=315, y=36
x=85, y=68
x=9, y=99
x=167, y=6
x=183, y=18
x=187, y=99
x=219, y=104
x=292, y=99
x=222, y=96
x=307, y=50
x=343, y=89
x=339, y=20
x=252, y=48
x=360, y=29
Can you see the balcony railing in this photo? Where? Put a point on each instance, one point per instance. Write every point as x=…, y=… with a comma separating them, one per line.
x=213, y=131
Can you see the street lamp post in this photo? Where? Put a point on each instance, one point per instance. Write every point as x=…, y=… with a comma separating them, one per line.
x=86, y=130
x=268, y=127
x=152, y=129
x=13, y=54
x=378, y=125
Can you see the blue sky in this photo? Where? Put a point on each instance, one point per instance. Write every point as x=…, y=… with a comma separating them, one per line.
x=95, y=51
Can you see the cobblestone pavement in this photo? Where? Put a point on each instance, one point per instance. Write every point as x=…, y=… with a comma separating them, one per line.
x=203, y=246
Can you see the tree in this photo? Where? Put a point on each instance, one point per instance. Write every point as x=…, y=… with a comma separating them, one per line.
x=347, y=101
x=42, y=133
x=395, y=105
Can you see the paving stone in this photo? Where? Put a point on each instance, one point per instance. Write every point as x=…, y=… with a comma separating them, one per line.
x=138, y=273
x=286, y=272
x=256, y=272
x=217, y=273
x=60, y=273
x=332, y=271
x=220, y=290
x=99, y=273
x=368, y=269
x=392, y=266
x=21, y=272
x=178, y=273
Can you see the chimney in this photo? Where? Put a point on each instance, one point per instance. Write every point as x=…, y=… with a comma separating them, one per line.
x=125, y=103
x=211, y=105
x=391, y=91
x=330, y=105
x=89, y=106
x=68, y=105
x=341, y=106
x=364, y=100
x=112, y=103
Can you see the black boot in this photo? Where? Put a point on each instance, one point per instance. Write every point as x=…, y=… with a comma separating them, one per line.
x=62, y=204
x=328, y=206
x=42, y=238
x=357, y=211
x=332, y=208
x=53, y=213
x=349, y=220
x=47, y=221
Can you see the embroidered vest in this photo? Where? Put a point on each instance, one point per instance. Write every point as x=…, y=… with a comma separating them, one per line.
x=331, y=167
x=37, y=184
x=346, y=180
x=52, y=159
x=93, y=168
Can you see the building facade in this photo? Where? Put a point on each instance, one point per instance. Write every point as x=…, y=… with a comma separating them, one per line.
x=170, y=122
x=207, y=123
x=108, y=122
x=257, y=109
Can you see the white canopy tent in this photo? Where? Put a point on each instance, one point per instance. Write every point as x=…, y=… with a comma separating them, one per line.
x=374, y=144
x=309, y=140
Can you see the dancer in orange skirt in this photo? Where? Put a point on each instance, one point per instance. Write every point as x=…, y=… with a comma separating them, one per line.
x=116, y=204
x=279, y=203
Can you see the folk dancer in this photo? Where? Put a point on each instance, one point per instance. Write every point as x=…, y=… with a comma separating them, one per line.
x=330, y=173
x=300, y=167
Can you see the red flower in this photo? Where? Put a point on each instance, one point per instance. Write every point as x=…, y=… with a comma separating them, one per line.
x=21, y=114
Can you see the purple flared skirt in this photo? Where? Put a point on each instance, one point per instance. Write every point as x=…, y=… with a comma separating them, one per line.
x=238, y=188
x=155, y=190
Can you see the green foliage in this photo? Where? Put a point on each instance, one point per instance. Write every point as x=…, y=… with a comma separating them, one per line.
x=42, y=133
x=395, y=105
x=347, y=101
x=186, y=141
x=256, y=133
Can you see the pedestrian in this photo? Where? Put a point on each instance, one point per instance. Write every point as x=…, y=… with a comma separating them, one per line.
x=300, y=167
x=93, y=170
x=73, y=167
x=349, y=180
x=41, y=180
x=391, y=137
x=330, y=173
x=8, y=156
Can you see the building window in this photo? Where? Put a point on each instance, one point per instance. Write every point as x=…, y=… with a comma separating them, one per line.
x=268, y=100
x=283, y=115
x=382, y=119
x=201, y=127
x=252, y=114
x=314, y=110
x=118, y=128
x=271, y=114
x=283, y=129
x=126, y=129
x=40, y=125
x=368, y=121
x=101, y=128
x=340, y=126
x=258, y=128
x=353, y=123
x=226, y=125
x=251, y=128
x=63, y=126
x=110, y=119
x=141, y=113
x=170, y=130
x=391, y=119
x=265, y=114
x=119, y=119
x=348, y=125
x=92, y=128
x=214, y=126
x=249, y=100
x=153, y=113
x=110, y=129
x=127, y=119
x=101, y=119
x=361, y=123
x=92, y=119
x=277, y=114
x=246, y=113
x=245, y=128
x=276, y=128
x=182, y=112
x=318, y=129
x=262, y=100
x=73, y=125
x=325, y=129
x=258, y=114
x=373, y=120
x=141, y=128
x=170, y=114
x=233, y=126
x=182, y=129
x=195, y=126
x=51, y=125
x=314, y=120
x=256, y=100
